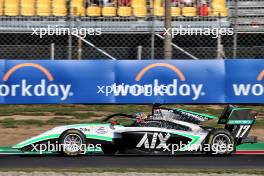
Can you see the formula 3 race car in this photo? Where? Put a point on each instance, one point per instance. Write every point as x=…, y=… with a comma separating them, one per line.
x=165, y=131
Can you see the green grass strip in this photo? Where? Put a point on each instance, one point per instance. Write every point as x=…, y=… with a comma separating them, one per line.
x=257, y=146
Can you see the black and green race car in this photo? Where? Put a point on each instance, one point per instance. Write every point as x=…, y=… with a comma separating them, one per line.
x=165, y=131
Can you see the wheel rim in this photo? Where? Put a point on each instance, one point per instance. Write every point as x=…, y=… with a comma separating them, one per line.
x=72, y=143
x=221, y=144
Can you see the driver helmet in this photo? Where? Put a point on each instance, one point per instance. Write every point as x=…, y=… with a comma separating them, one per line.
x=139, y=117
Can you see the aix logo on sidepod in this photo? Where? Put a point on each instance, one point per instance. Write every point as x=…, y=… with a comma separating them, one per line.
x=154, y=141
x=41, y=89
x=156, y=88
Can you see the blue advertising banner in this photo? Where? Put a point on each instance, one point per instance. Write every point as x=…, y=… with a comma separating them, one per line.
x=169, y=82
x=244, y=81
x=131, y=82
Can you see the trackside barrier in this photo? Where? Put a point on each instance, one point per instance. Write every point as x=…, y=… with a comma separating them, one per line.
x=131, y=82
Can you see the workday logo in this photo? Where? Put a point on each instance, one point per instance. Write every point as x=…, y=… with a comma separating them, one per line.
x=41, y=89
x=155, y=88
x=256, y=89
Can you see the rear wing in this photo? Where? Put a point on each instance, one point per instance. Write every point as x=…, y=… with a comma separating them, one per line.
x=238, y=121
x=237, y=116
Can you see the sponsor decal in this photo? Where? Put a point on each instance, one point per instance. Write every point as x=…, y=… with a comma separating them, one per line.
x=102, y=130
x=250, y=89
x=190, y=115
x=44, y=88
x=84, y=129
x=177, y=87
x=153, y=143
x=240, y=122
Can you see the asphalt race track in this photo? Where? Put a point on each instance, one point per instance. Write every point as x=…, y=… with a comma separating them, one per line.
x=230, y=162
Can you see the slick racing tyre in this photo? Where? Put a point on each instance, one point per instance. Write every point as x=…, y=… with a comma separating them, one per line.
x=72, y=143
x=220, y=142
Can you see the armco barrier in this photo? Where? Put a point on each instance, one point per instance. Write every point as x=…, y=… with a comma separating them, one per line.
x=132, y=82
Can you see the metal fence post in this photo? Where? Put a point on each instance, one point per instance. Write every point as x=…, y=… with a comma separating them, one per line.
x=168, y=39
x=139, y=52
x=220, y=47
x=69, y=18
x=79, y=49
x=52, y=51
x=152, y=32
x=235, y=30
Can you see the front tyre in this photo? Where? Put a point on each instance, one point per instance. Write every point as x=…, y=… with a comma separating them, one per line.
x=220, y=142
x=72, y=143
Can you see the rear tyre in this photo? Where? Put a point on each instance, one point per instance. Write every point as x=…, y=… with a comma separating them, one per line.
x=72, y=143
x=220, y=142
